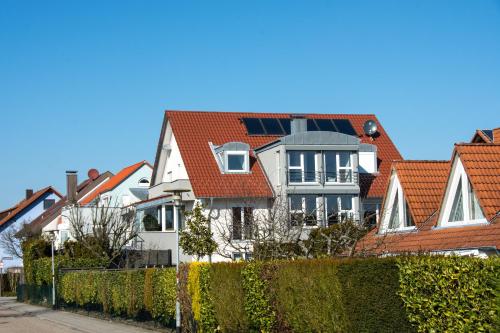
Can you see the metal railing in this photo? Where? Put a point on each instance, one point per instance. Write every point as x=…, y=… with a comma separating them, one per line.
x=321, y=177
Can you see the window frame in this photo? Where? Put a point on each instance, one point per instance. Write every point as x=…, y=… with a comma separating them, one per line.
x=301, y=168
x=338, y=168
x=458, y=175
x=303, y=210
x=244, y=235
x=350, y=213
x=396, y=190
x=243, y=153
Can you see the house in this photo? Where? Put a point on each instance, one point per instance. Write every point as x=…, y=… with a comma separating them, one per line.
x=48, y=222
x=322, y=167
x=123, y=189
x=24, y=212
x=443, y=206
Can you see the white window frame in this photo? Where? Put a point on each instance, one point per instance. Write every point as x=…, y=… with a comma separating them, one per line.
x=303, y=209
x=338, y=167
x=458, y=173
x=350, y=212
x=245, y=161
x=302, y=167
x=396, y=188
x=242, y=216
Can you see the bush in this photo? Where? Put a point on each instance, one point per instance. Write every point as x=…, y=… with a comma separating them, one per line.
x=449, y=294
x=129, y=293
x=307, y=296
x=369, y=290
x=228, y=296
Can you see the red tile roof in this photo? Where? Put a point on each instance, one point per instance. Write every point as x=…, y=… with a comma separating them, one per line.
x=194, y=130
x=482, y=164
x=19, y=207
x=454, y=238
x=423, y=184
x=114, y=181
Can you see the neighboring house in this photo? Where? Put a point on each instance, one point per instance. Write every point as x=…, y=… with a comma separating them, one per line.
x=238, y=165
x=125, y=188
x=49, y=221
x=442, y=207
x=27, y=210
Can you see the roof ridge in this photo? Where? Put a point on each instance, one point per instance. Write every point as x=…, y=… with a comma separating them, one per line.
x=422, y=161
x=268, y=112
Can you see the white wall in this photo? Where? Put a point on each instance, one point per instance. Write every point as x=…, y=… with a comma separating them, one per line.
x=174, y=165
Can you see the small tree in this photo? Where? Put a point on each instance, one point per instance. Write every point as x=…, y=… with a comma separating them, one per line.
x=197, y=238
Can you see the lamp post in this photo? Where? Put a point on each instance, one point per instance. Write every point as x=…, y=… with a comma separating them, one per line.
x=1, y=272
x=177, y=199
x=52, y=238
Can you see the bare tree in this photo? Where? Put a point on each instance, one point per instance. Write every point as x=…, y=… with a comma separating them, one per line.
x=12, y=238
x=104, y=230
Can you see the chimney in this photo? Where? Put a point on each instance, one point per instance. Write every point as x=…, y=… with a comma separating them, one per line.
x=71, y=184
x=29, y=193
x=496, y=135
x=298, y=124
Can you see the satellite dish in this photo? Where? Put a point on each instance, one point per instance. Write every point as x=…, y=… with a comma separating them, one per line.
x=370, y=127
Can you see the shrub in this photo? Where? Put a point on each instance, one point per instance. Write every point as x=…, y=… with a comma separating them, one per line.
x=449, y=294
x=228, y=296
x=261, y=316
x=129, y=293
x=369, y=290
x=208, y=322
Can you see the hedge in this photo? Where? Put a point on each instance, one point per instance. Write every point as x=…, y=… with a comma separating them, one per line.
x=130, y=293
x=408, y=294
x=450, y=294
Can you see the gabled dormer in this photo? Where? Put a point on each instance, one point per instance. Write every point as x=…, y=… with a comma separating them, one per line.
x=460, y=205
x=232, y=157
x=396, y=214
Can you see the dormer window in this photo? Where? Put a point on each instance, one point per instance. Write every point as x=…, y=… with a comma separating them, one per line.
x=232, y=157
x=397, y=214
x=236, y=161
x=461, y=205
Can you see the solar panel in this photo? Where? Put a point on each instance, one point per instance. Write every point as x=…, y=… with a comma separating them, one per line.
x=344, y=126
x=325, y=125
x=311, y=125
x=285, y=123
x=272, y=126
x=254, y=126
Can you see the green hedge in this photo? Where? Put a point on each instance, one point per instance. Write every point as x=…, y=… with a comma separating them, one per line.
x=409, y=294
x=450, y=294
x=130, y=293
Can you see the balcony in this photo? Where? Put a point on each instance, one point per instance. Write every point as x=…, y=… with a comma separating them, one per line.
x=298, y=177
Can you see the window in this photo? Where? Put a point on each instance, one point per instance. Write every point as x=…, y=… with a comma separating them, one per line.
x=338, y=208
x=64, y=236
x=461, y=205
x=302, y=166
x=303, y=209
x=169, y=217
x=397, y=214
x=338, y=166
x=47, y=203
x=236, y=161
x=239, y=256
x=144, y=182
x=152, y=219
x=242, y=223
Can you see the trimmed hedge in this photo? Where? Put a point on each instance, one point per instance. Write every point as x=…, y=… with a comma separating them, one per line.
x=409, y=294
x=131, y=293
x=450, y=294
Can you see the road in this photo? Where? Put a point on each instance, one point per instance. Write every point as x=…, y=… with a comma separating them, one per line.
x=24, y=318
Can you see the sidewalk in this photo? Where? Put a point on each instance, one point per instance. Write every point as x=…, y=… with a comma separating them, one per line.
x=21, y=318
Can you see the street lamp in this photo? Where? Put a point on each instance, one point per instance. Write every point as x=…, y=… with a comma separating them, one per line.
x=52, y=238
x=177, y=200
x=1, y=272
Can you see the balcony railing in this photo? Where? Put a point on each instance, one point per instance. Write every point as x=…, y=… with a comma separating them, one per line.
x=321, y=177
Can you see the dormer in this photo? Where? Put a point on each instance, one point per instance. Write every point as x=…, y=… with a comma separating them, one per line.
x=232, y=157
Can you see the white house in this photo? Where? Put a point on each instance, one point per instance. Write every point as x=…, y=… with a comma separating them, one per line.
x=323, y=168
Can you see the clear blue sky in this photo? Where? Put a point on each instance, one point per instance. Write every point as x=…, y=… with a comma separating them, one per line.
x=84, y=84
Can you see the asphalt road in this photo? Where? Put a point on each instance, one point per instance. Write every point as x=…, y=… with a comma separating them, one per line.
x=24, y=318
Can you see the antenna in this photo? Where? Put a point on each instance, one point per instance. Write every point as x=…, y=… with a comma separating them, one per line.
x=370, y=127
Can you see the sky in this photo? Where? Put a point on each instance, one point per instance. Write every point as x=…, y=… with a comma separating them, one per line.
x=83, y=84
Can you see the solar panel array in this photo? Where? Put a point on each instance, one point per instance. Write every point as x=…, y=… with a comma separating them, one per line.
x=281, y=126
